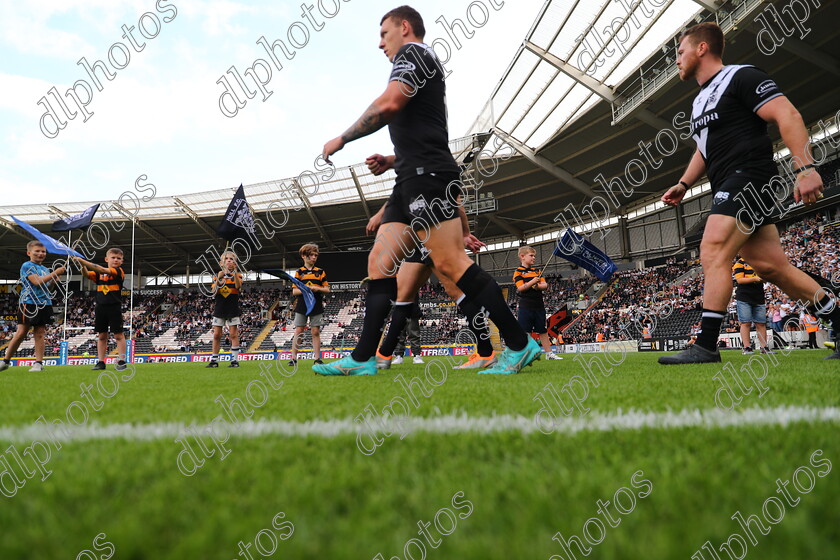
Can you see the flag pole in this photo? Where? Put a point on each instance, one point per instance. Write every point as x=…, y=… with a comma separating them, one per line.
x=130, y=351
x=219, y=264
x=67, y=287
x=546, y=263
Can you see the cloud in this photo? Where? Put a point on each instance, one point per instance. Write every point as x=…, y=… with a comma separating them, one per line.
x=21, y=95
x=39, y=28
x=218, y=16
x=29, y=36
x=34, y=148
x=18, y=191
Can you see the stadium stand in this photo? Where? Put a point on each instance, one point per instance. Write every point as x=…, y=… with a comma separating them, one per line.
x=342, y=321
x=811, y=243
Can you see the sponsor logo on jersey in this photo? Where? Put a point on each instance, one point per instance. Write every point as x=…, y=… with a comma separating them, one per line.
x=402, y=65
x=703, y=120
x=765, y=86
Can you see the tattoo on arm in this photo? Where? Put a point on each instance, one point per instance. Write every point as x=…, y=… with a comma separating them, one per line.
x=371, y=121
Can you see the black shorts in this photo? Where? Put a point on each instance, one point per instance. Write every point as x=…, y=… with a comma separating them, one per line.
x=424, y=201
x=750, y=201
x=532, y=320
x=35, y=315
x=108, y=317
x=420, y=255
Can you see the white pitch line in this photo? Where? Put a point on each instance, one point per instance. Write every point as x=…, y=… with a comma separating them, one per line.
x=447, y=424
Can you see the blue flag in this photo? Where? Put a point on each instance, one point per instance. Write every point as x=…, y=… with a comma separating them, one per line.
x=52, y=245
x=80, y=220
x=308, y=294
x=238, y=221
x=578, y=250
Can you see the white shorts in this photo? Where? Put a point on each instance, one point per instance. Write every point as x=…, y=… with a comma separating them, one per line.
x=226, y=322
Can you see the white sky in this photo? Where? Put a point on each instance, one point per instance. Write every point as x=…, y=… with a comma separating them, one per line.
x=160, y=115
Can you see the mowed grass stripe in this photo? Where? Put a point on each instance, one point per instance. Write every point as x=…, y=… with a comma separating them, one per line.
x=161, y=393
x=445, y=424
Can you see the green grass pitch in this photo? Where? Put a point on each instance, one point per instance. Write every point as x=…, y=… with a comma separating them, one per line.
x=500, y=494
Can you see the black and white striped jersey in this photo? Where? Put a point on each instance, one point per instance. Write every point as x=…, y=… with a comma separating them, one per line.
x=730, y=135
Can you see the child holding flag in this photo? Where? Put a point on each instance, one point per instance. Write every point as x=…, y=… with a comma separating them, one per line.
x=108, y=312
x=530, y=285
x=35, y=307
x=316, y=280
x=226, y=312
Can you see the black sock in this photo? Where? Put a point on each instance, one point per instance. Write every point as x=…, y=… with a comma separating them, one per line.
x=477, y=323
x=482, y=290
x=828, y=309
x=380, y=294
x=399, y=318
x=710, y=329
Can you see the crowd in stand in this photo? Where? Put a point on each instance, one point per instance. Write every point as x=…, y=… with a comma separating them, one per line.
x=441, y=325
x=333, y=303
x=811, y=250
x=187, y=311
x=627, y=302
x=8, y=314
x=432, y=291
x=635, y=296
x=562, y=290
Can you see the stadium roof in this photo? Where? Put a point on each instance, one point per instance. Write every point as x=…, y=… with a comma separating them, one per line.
x=572, y=124
x=590, y=81
x=570, y=59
